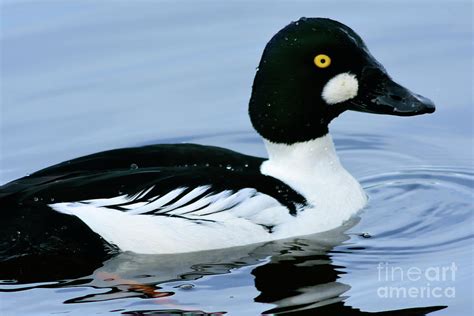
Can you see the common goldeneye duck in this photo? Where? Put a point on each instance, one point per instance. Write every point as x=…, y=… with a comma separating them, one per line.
x=186, y=197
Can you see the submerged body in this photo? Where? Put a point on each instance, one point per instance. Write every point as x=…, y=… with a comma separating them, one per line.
x=185, y=197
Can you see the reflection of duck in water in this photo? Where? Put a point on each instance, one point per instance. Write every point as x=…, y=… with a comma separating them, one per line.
x=294, y=275
x=182, y=198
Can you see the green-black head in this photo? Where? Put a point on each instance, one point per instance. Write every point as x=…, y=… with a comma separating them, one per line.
x=313, y=70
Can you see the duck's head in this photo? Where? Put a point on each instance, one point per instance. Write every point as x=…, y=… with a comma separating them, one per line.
x=313, y=70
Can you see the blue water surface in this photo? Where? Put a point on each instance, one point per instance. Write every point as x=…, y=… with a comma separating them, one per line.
x=78, y=77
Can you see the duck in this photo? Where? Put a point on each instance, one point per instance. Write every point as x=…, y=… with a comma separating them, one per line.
x=179, y=198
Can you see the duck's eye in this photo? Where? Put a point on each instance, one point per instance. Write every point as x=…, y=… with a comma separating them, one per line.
x=322, y=61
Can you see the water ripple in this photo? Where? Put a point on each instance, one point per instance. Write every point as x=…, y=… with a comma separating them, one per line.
x=418, y=210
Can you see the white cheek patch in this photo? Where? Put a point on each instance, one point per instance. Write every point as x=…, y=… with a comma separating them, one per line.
x=340, y=88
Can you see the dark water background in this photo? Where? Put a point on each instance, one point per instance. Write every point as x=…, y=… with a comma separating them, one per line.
x=83, y=76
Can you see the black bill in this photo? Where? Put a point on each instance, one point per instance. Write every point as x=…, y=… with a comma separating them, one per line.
x=380, y=94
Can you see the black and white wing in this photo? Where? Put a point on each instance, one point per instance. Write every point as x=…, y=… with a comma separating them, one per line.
x=187, y=210
x=127, y=197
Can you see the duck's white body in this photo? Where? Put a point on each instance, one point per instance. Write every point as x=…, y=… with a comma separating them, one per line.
x=311, y=168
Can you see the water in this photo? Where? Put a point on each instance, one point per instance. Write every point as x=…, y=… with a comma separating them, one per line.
x=79, y=77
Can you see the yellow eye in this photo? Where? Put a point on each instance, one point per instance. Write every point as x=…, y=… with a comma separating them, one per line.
x=322, y=61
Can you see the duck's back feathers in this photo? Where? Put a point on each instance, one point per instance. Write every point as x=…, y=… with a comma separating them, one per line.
x=153, y=156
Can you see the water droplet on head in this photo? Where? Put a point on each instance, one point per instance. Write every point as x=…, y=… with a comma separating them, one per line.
x=269, y=104
x=229, y=167
x=246, y=165
x=133, y=166
x=35, y=199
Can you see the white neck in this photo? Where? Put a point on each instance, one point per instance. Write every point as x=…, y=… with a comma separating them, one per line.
x=317, y=154
x=313, y=169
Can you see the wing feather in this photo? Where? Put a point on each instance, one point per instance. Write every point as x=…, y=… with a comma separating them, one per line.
x=200, y=201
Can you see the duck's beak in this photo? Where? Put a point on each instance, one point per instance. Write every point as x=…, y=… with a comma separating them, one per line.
x=378, y=93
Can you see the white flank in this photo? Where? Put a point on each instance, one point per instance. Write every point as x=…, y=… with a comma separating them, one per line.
x=340, y=88
x=215, y=221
